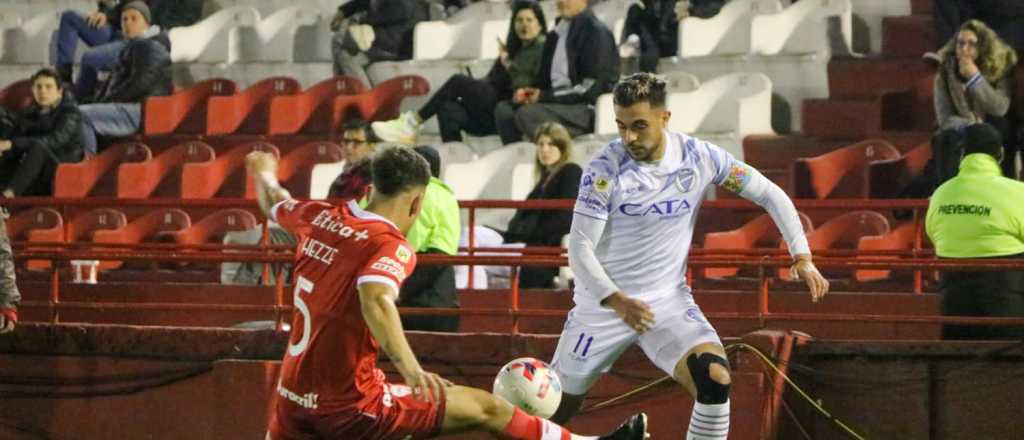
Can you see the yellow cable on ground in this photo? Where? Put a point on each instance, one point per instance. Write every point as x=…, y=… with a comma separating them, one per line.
x=767, y=361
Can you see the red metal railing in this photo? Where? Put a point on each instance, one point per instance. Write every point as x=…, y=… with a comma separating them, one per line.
x=916, y=259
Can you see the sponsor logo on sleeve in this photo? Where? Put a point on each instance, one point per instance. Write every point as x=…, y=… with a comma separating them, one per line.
x=388, y=265
x=403, y=253
x=601, y=185
x=738, y=178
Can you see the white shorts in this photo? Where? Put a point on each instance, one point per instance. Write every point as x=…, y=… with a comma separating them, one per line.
x=594, y=338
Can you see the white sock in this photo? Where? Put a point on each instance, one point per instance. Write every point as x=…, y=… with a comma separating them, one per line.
x=709, y=422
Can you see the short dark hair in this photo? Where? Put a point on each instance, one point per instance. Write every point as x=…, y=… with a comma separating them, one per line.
x=48, y=73
x=361, y=124
x=397, y=169
x=640, y=87
x=433, y=158
x=983, y=138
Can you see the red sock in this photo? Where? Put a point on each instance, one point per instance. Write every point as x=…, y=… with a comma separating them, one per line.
x=526, y=427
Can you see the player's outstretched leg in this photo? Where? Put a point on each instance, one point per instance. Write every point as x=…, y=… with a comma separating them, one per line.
x=704, y=372
x=568, y=407
x=471, y=409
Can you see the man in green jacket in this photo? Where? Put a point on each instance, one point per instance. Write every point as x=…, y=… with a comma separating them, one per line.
x=980, y=214
x=436, y=231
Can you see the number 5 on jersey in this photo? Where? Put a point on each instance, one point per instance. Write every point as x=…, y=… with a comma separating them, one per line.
x=302, y=285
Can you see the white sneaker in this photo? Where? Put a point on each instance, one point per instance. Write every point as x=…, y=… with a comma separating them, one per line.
x=403, y=130
x=631, y=47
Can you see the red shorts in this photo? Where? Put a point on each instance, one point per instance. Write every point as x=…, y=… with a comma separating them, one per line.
x=394, y=414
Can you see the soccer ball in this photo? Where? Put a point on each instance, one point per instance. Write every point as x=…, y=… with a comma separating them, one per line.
x=531, y=385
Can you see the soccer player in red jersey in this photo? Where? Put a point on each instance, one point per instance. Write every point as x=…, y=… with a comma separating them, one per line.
x=349, y=265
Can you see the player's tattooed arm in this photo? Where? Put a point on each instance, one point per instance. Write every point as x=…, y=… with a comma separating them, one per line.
x=263, y=167
x=377, y=301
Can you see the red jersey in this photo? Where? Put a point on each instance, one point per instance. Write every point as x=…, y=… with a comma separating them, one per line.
x=331, y=360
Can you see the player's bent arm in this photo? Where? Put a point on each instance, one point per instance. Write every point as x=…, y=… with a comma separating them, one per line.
x=263, y=167
x=377, y=301
x=768, y=195
x=584, y=234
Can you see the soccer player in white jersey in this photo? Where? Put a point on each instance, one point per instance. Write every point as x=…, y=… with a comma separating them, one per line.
x=631, y=232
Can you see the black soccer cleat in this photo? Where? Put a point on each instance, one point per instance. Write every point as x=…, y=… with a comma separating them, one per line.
x=634, y=428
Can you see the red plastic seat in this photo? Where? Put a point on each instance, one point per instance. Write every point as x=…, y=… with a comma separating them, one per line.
x=247, y=112
x=842, y=232
x=900, y=238
x=97, y=176
x=143, y=229
x=760, y=232
x=381, y=103
x=225, y=176
x=37, y=225
x=296, y=167
x=309, y=112
x=161, y=176
x=843, y=173
x=211, y=229
x=184, y=111
x=889, y=177
x=17, y=96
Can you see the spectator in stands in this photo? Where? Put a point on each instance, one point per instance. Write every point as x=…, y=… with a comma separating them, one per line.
x=1006, y=17
x=557, y=178
x=358, y=143
x=34, y=141
x=580, y=62
x=143, y=69
x=973, y=85
x=9, y=295
x=367, y=31
x=101, y=31
x=651, y=30
x=465, y=103
x=979, y=214
x=436, y=231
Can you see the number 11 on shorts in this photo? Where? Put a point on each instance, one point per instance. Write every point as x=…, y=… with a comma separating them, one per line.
x=586, y=347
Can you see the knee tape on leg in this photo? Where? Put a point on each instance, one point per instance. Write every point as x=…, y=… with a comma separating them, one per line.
x=708, y=390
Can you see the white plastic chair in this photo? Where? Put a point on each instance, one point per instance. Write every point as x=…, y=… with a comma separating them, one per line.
x=801, y=29
x=727, y=33
x=739, y=103
x=323, y=175
x=273, y=38
x=452, y=153
x=210, y=40
x=463, y=40
x=28, y=41
x=489, y=178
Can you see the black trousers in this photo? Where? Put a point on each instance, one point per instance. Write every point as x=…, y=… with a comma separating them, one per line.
x=994, y=294
x=430, y=286
x=28, y=173
x=653, y=45
x=462, y=104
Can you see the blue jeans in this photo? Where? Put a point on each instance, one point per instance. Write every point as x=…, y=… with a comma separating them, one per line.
x=108, y=119
x=73, y=27
x=95, y=60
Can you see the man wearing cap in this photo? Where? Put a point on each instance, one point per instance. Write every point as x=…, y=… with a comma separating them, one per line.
x=143, y=69
x=980, y=214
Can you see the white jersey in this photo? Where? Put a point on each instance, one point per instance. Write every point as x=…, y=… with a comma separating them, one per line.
x=650, y=212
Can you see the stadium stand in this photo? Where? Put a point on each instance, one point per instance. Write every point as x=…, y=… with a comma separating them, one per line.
x=211, y=39
x=98, y=176
x=36, y=225
x=902, y=237
x=381, y=103
x=185, y=111
x=843, y=231
x=247, y=112
x=843, y=173
x=760, y=232
x=161, y=176
x=17, y=96
x=273, y=38
x=296, y=167
x=224, y=176
x=145, y=228
x=305, y=112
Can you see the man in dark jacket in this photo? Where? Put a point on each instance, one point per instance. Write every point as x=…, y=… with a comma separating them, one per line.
x=580, y=63
x=101, y=31
x=392, y=22
x=33, y=142
x=143, y=69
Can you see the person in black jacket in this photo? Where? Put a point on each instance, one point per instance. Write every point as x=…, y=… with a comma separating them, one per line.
x=34, y=141
x=101, y=31
x=392, y=23
x=580, y=63
x=143, y=69
x=466, y=103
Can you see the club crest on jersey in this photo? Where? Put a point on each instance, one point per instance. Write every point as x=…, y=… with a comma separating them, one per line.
x=587, y=181
x=403, y=253
x=601, y=185
x=685, y=179
x=694, y=314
